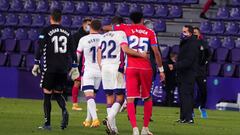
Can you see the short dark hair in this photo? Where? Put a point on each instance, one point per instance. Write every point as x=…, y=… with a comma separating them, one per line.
x=117, y=20
x=56, y=15
x=190, y=28
x=136, y=17
x=96, y=25
x=86, y=20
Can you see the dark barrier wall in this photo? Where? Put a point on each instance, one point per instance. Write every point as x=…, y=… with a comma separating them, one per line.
x=15, y=83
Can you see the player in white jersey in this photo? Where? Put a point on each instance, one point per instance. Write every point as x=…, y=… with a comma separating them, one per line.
x=91, y=79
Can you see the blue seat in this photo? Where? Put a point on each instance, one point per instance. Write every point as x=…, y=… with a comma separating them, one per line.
x=191, y=1
x=33, y=34
x=3, y=59
x=223, y=13
x=232, y=28
x=135, y=8
x=82, y=7
x=29, y=61
x=177, y=1
x=161, y=11
x=206, y=27
x=12, y=20
x=159, y=26
x=175, y=12
x=7, y=33
x=228, y=42
x=108, y=8
x=218, y=27
x=15, y=60
x=165, y=50
x=148, y=10
x=2, y=19
x=235, y=2
x=42, y=6
x=228, y=69
x=123, y=9
x=68, y=7
x=25, y=45
x=10, y=45
x=21, y=34
x=55, y=5
x=25, y=20
x=95, y=8
x=214, y=69
x=76, y=21
x=237, y=43
x=38, y=21
x=214, y=42
x=221, y=54
x=234, y=55
x=106, y=21
x=4, y=5
x=66, y=21
x=30, y=6
x=16, y=5
x=235, y=14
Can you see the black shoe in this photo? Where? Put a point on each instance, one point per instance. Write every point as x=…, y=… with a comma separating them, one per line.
x=180, y=121
x=44, y=127
x=65, y=119
x=108, y=129
x=202, y=15
x=188, y=121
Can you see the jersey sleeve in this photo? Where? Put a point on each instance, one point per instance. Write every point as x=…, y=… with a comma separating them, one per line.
x=123, y=39
x=42, y=39
x=153, y=39
x=119, y=27
x=80, y=46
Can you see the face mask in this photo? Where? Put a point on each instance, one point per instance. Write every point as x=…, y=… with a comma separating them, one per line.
x=183, y=36
x=87, y=28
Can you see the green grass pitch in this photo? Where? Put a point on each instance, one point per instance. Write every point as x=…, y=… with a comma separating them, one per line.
x=22, y=117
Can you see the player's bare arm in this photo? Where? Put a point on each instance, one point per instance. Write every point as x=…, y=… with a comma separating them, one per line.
x=130, y=51
x=158, y=61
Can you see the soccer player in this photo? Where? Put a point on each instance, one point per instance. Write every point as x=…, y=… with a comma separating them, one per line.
x=54, y=47
x=111, y=60
x=83, y=31
x=139, y=71
x=91, y=79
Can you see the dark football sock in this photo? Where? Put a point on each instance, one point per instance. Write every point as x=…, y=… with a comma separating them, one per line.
x=47, y=108
x=61, y=101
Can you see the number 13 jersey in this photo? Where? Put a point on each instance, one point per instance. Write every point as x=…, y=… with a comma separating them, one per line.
x=140, y=39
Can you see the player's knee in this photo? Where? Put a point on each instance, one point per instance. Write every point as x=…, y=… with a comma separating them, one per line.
x=89, y=97
x=130, y=100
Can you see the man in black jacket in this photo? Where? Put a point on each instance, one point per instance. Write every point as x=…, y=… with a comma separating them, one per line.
x=186, y=67
x=201, y=78
x=83, y=31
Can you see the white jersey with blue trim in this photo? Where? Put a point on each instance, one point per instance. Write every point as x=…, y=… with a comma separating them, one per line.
x=88, y=46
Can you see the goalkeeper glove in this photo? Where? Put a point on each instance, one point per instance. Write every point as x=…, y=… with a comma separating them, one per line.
x=36, y=70
x=74, y=73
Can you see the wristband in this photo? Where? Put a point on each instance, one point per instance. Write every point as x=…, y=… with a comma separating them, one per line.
x=161, y=69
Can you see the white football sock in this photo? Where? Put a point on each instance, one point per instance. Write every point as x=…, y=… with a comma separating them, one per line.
x=89, y=118
x=92, y=108
x=112, y=114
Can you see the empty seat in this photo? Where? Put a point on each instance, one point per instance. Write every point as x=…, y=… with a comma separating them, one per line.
x=11, y=19
x=33, y=34
x=66, y=21
x=29, y=61
x=237, y=43
x=42, y=6
x=10, y=45
x=25, y=20
x=25, y=45
x=3, y=59
x=95, y=8
x=135, y=8
x=108, y=8
x=228, y=70
x=68, y=7
x=2, y=19
x=21, y=34
x=223, y=13
x=148, y=10
x=206, y=27
x=214, y=42
x=163, y=1
x=30, y=6
x=38, y=21
x=4, y=5
x=16, y=5
x=175, y=12
x=228, y=42
x=235, y=2
x=55, y=5
x=221, y=54
x=232, y=28
x=235, y=55
x=159, y=26
x=7, y=33
x=214, y=69
x=164, y=51
x=82, y=7
x=161, y=11
x=123, y=9
x=175, y=48
x=191, y=1
x=235, y=13
x=76, y=22
x=218, y=28
x=106, y=21
x=177, y=1
x=15, y=60
x=237, y=71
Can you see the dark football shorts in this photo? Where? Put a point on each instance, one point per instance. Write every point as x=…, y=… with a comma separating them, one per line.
x=54, y=81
